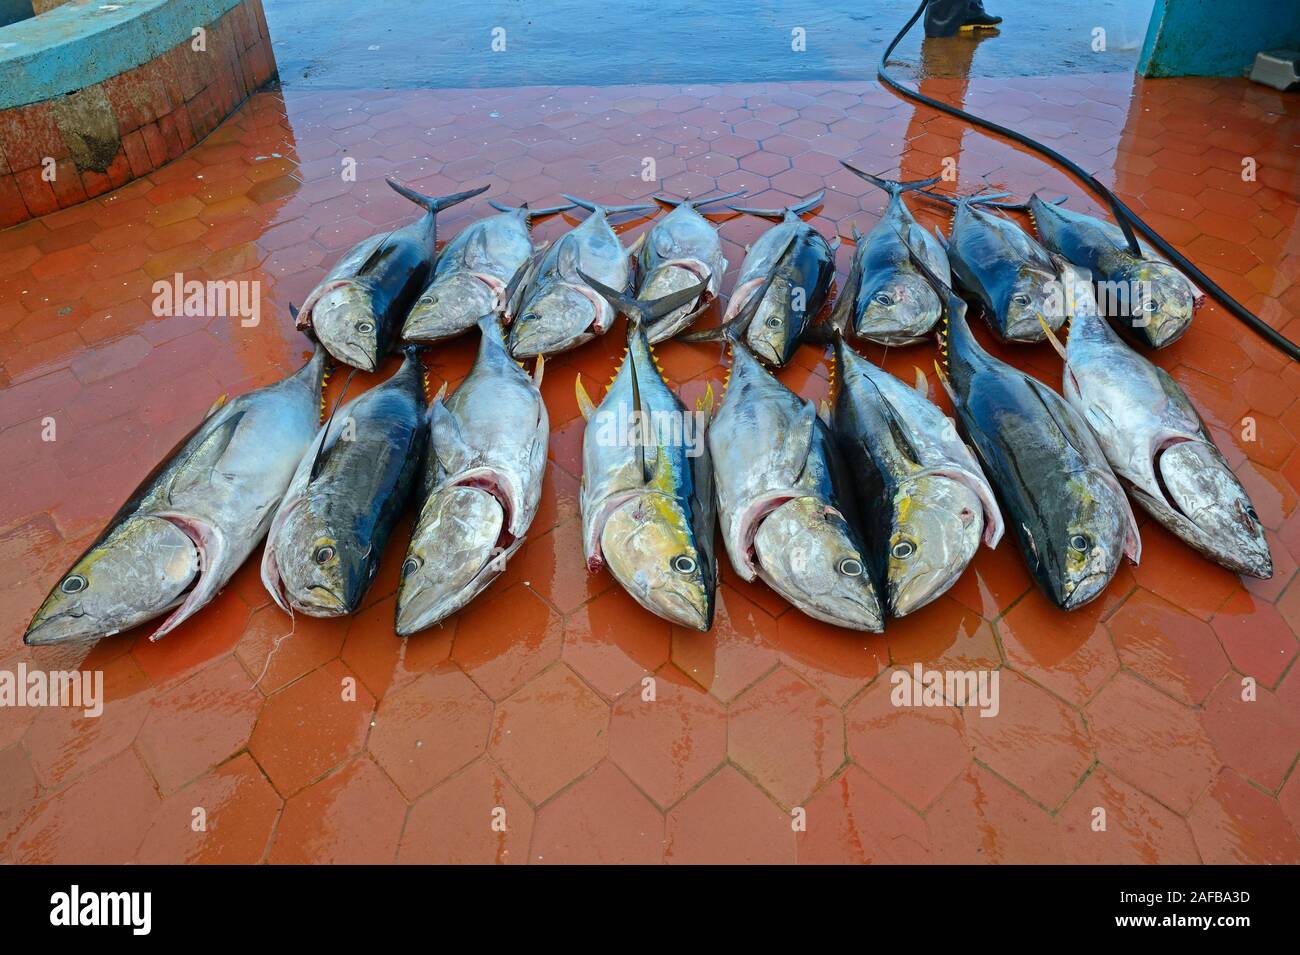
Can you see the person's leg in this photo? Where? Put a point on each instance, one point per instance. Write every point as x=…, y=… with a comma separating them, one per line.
x=945, y=17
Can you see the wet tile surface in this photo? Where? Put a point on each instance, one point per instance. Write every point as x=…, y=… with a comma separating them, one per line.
x=553, y=720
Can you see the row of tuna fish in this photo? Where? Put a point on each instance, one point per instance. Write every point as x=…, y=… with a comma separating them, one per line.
x=396, y=284
x=871, y=507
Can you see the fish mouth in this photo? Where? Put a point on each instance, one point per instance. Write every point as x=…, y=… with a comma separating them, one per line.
x=1028, y=329
x=766, y=352
x=678, y=608
x=425, y=607
x=350, y=354
x=43, y=633
x=920, y=590
x=889, y=336
x=429, y=326
x=320, y=601
x=1167, y=331
x=1084, y=591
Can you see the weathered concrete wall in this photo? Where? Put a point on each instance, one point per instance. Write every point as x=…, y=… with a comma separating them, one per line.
x=1213, y=38
x=84, y=141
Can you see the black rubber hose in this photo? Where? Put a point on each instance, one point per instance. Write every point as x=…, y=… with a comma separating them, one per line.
x=1118, y=209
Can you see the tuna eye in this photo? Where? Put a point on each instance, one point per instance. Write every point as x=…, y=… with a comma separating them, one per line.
x=683, y=564
x=410, y=566
x=1149, y=305
x=1020, y=298
x=365, y=327
x=1250, y=512
x=773, y=322
x=902, y=550
x=851, y=567
x=884, y=298
x=73, y=585
x=324, y=554
x=1080, y=543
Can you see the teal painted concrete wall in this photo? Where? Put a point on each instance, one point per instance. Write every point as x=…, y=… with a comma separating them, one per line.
x=1214, y=37
x=75, y=46
x=11, y=11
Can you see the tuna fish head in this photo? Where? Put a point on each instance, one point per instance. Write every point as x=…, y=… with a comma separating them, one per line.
x=455, y=552
x=808, y=554
x=324, y=572
x=1160, y=301
x=557, y=319
x=343, y=319
x=1082, y=540
x=451, y=305
x=900, y=304
x=1035, y=292
x=143, y=567
x=773, y=332
x=650, y=548
x=1208, y=508
x=936, y=530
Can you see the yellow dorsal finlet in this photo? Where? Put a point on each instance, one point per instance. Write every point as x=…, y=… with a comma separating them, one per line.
x=217, y=405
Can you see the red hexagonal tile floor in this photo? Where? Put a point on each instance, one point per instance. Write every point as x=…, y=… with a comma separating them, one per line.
x=553, y=720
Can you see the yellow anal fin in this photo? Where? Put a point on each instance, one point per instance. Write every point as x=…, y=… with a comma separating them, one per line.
x=1051, y=337
x=704, y=404
x=585, y=404
x=922, y=384
x=539, y=370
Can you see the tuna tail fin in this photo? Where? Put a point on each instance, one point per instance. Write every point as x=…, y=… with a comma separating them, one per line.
x=608, y=210
x=643, y=313
x=892, y=186
x=530, y=214
x=435, y=204
x=732, y=331
x=697, y=203
x=955, y=201
x=799, y=208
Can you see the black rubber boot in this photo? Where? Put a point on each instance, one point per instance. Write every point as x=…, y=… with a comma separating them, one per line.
x=977, y=18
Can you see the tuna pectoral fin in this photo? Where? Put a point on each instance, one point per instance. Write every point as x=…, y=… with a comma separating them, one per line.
x=792, y=457
x=446, y=435
x=215, y=568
